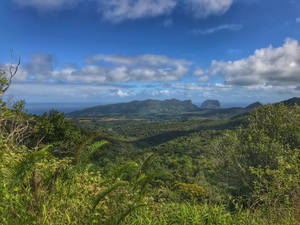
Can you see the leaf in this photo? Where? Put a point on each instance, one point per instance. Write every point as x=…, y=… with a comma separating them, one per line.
x=130, y=209
x=28, y=163
x=68, y=218
x=106, y=191
x=129, y=169
x=95, y=147
x=147, y=163
x=144, y=180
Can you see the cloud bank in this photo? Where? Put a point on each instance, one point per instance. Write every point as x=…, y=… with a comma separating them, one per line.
x=106, y=68
x=270, y=71
x=120, y=10
x=268, y=66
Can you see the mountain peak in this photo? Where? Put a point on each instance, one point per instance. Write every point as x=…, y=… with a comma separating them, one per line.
x=292, y=101
x=146, y=107
x=254, y=105
x=211, y=104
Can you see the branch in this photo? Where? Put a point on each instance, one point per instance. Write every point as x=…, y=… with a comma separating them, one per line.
x=13, y=69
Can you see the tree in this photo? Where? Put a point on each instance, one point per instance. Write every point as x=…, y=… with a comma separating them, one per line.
x=6, y=78
x=259, y=163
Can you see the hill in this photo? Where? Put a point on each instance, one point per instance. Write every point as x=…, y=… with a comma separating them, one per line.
x=254, y=105
x=211, y=104
x=138, y=108
x=172, y=109
x=292, y=101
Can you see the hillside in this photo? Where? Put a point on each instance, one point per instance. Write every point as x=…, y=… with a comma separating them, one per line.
x=254, y=105
x=211, y=104
x=292, y=101
x=139, y=108
x=172, y=109
x=193, y=164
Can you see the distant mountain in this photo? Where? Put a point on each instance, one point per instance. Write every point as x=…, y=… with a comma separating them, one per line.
x=171, y=109
x=211, y=104
x=139, y=108
x=254, y=105
x=292, y=101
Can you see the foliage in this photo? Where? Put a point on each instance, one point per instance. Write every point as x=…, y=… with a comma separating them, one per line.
x=191, y=191
x=53, y=128
x=192, y=171
x=260, y=163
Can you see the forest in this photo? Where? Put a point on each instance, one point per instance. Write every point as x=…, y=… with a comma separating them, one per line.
x=56, y=169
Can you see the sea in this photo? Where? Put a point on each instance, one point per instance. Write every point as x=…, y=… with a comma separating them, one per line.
x=40, y=108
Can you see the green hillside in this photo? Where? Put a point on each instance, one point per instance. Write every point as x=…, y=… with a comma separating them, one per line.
x=139, y=108
x=172, y=109
x=116, y=171
x=292, y=101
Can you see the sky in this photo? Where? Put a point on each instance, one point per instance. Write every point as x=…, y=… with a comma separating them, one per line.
x=236, y=51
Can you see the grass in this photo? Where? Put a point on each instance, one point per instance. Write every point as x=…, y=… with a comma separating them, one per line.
x=193, y=214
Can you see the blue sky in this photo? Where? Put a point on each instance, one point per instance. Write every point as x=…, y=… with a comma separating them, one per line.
x=236, y=51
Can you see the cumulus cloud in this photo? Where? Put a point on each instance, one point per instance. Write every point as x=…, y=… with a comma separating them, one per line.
x=160, y=93
x=205, y=8
x=228, y=27
x=40, y=66
x=142, y=67
x=121, y=94
x=108, y=68
x=118, y=10
x=268, y=66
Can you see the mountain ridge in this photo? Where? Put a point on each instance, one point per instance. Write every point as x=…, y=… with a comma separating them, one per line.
x=149, y=106
x=166, y=109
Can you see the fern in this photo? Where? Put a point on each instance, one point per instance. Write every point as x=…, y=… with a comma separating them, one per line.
x=28, y=163
x=144, y=180
x=95, y=147
x=105, y=192
x=128, y=211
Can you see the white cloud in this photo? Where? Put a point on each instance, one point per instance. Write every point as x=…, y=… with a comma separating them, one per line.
x=118, y=10
x=142, y=67
x=40, y=92
x=122, y=94
x=268, y=66
x=40, y=66
x=298, y=20
x=205, y=8
x=108, y=68
x=229, y=27
x=202, y=87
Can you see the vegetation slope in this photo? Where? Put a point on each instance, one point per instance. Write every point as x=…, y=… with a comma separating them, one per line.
x=243, y=170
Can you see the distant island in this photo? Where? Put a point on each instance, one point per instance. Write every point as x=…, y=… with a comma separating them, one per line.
x=166, y=109
x=170, y=109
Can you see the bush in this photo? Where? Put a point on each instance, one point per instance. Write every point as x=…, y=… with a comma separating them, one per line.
x=260, y=162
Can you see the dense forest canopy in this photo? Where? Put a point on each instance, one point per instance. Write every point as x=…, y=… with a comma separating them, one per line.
x=60, y=170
